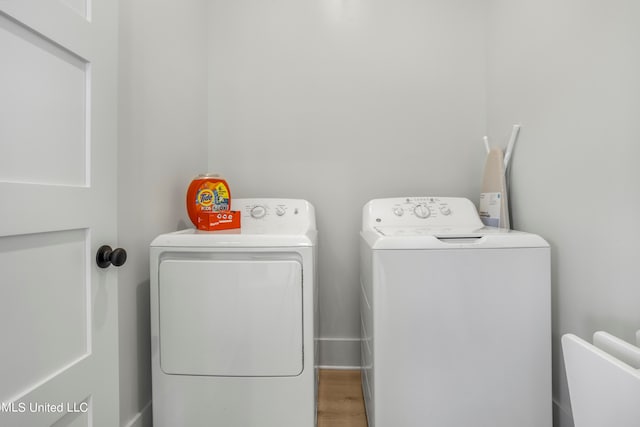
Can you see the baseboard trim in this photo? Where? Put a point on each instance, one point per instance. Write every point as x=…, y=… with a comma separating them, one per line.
x=143, y=418
x=339, y=353
x=339, y=368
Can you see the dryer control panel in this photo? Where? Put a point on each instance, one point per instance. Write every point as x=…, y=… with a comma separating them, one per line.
x=421, y=212
x=275, y=216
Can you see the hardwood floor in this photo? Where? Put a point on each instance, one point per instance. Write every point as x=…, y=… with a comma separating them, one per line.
x=340, y=401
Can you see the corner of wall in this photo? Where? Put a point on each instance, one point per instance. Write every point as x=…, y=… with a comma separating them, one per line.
x=144, y=418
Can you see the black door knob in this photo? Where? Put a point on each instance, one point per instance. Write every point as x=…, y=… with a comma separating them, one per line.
x=107, y=256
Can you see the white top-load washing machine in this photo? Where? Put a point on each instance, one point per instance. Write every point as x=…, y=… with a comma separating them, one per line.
x=234, y=320
x=456, y=318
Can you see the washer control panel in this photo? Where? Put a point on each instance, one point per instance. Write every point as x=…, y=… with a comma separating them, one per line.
x=421, y=212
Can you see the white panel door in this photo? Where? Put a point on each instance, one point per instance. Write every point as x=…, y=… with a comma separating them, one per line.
x=59, y=353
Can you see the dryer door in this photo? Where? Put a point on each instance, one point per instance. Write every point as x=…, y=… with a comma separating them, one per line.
x=230, y=317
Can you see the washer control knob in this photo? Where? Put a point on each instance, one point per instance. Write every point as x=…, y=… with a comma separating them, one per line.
x=422, y=211
x=280, y=210
x=258, y=211
x=398, y=211
x=445, y=210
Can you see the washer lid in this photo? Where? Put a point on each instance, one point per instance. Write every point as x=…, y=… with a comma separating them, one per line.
x=399, y=231
x=433, y=238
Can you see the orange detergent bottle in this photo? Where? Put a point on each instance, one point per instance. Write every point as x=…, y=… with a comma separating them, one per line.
x=209, y=203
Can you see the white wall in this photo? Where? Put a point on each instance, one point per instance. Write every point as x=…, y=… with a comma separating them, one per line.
x=162, y=145
x=342, y=101
x=569, y=72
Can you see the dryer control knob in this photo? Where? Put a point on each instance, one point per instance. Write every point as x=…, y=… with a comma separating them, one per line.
x=258, y=211
x=422, y=211
x=398, y=211
x=280, y=210
x=445, y=210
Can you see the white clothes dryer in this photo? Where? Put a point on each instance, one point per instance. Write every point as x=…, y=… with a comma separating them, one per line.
x=234, y=320
x=456, y=318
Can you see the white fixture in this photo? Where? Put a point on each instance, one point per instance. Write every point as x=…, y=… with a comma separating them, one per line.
x=234, y=320
x=456, y=318
x=603, y=379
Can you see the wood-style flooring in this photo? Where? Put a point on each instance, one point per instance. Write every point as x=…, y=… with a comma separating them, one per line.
x=340, y=401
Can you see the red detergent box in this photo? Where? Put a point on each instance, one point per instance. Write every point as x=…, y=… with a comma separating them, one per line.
x=218, y=220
